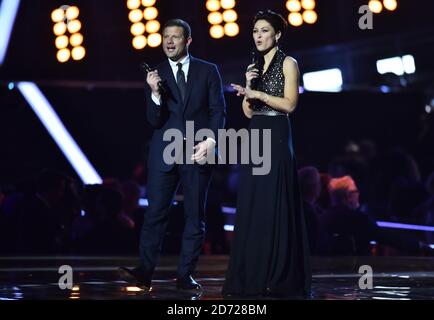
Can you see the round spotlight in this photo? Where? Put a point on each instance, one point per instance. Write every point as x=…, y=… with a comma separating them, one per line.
x=227, y=4
x=74, y=26
x=293, y=5
x=150, y=13
x=152, y=26
x=139, y=42
x=148, y=3
x=310, y=16
x=308, y=4
x=232, y=29
x=62, y=42
x=63, y=55
x=133, y=4
x=213, y=5
x=295, y=19
x=217, y=31
x=78, y=53
x=375, y=6
x=72, y=13
x=138, y=29
x=59, y=28
x=230, y=15
x=58, y=15
x=154, y=40
x=76, y=39
x=215, y=17
x=390, y=5
x=135, y=15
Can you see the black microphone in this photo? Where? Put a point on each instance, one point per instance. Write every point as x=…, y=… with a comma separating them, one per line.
x=148, y=69
x=256, y=60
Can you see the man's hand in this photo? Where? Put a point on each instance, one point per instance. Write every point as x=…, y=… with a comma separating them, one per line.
x=202, y=150
x=153, y=79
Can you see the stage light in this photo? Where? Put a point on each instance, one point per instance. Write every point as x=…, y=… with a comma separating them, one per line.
x=308, y=4
x=135, y=15
x=138, y=29
x=133, y=4
x=216, y=18
x=375, y=6
x=78, y=53
x=59, y=28
x=230, y=16
x=139, y=42
x=227, y=4
x=295, y=19
x=8, y=13
x=72, y=13
x=213, y=5
x=63, y=55
x=390, y=65
x=397, y=65
x=301, y=12
x=323, y=81
x=293, y=5
x=74, y=26
x=231, y=29
x=148, y=3
x=58, y=15
x=69, y=23
x=150, y=13
x=390, y=5
x=153, y=26
x=409, y=64
x=59, y=133
x=62, y=42
x=310, y=16
x=217, y=31
x=154, y=40
x=76, y=39
x=144, y=28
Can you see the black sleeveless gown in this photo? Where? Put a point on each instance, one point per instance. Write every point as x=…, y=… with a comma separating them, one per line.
x=270, y=254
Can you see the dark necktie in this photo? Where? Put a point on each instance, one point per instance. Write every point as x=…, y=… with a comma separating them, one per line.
x=180, y=80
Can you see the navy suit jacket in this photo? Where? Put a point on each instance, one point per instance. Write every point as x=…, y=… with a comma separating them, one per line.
x=204, y=104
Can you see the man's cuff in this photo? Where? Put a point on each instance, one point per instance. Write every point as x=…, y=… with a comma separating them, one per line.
x=212, y=141
x=156, y=100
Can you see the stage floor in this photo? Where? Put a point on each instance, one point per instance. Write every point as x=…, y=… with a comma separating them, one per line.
x=96, y=278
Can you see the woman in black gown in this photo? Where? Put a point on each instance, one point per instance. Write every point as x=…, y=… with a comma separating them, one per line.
x=270, y=254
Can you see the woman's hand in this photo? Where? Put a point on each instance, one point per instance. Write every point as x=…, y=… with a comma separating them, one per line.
x=246, y=92
x=251, y=73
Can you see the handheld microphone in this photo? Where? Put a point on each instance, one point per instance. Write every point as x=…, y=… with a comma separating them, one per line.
x=148, y=69
x=257, y=65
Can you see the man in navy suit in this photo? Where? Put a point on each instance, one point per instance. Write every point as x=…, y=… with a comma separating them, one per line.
x=181, y=89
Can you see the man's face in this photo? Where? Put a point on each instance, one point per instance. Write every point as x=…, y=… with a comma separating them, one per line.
x=175, y=45
x=353, y=198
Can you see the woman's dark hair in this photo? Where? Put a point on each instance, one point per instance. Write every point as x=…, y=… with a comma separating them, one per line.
x=276, y=20
x=179, y=23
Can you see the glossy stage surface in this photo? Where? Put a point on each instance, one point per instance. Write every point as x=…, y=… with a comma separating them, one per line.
x=96, y=278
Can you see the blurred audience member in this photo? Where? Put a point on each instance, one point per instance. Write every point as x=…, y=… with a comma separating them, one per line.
x=310, y=188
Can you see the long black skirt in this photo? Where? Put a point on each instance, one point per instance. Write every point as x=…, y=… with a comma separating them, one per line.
x=270, y=253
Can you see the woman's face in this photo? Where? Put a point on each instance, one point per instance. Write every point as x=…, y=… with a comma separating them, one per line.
x=264, y=35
